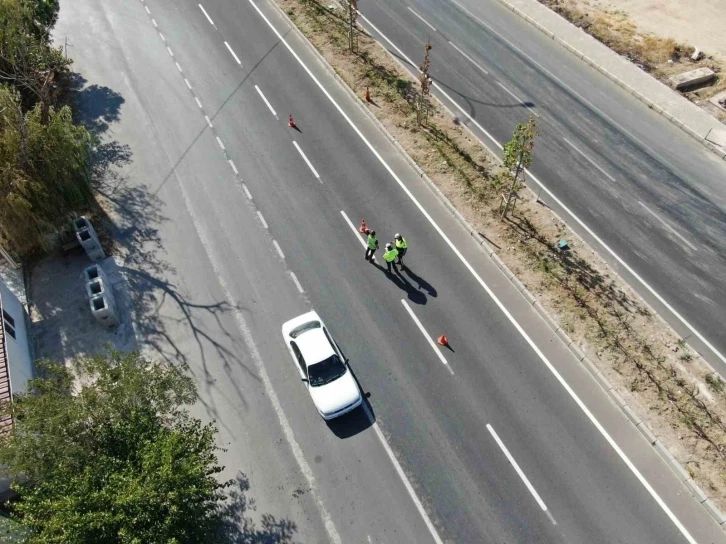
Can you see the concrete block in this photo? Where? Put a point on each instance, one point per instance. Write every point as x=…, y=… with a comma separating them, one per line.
x=714, y=511
x=104, y=311
x=564, y=337
x=692, y=78
x=698, y=493
x=632, y=416
x=98, y=287
x=94, y=271
x=590, y=366
x=716, y=136
x=620, y=401
x=547, y=317
x=647, y=433
x=81, y=223
x=529, y=296
x=675, y=465
x=603, y=381
x=577, y=352
x=518, y=284
x=719, y=100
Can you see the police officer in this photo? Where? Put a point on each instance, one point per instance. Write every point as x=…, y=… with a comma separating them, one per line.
x=371, y=246
x=401, y=246
x=390, y=257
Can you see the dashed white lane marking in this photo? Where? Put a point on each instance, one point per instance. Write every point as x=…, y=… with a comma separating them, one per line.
x=296, y=282
x=424, y=20
x=234, y=168
x=233, y=54
x=402, y=475
x=178, y=66
x=189, y=85
x=153, y=21
x=467, y=57
x=518, y=99
x=206, y=15
x=355, y=231
x=588, y=159
x=521, y=473
x=219, y=141
x=481, y=282
x=209, y=122
x=247, y=191
x=266, y=101
x=262, y=219
x=170, y=52
x=310, y=165
x=279, y=249
x=666, y=225
x=147, y=10
x=163, y=39
x=198, y=101
x=426, y=335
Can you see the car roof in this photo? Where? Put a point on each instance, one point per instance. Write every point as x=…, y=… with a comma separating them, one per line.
x=313, y=343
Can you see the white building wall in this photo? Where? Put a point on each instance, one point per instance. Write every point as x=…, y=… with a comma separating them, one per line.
x=18, y=349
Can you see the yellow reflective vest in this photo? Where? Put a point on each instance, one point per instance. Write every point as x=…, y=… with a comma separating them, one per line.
x=390, y=255
x=401, y=244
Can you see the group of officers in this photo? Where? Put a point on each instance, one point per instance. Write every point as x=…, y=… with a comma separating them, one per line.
x=395, y=250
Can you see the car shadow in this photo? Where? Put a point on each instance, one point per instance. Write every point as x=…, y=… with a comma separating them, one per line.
x=356, y=421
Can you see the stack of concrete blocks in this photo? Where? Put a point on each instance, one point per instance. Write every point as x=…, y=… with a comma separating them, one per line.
x=88, y=238
x=100, y=297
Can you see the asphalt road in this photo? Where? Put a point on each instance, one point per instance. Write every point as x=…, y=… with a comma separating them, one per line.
x=652, y=194
x=221, y=260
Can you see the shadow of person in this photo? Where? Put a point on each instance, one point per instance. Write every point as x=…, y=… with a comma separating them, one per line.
x=422, y=283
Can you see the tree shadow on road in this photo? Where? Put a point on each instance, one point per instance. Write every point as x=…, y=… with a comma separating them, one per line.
x=96, y=106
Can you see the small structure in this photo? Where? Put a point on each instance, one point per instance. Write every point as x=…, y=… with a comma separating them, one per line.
x=693, y=78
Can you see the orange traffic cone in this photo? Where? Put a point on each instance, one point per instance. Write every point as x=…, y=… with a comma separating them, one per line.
x=363, y=227
x=368, y=95
x=443, y=341
x=291, y=123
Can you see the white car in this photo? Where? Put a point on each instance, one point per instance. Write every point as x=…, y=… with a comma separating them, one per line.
x=321, y=365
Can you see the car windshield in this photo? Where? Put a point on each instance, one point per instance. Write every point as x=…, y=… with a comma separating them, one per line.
x=326, y=371
x=297, y=331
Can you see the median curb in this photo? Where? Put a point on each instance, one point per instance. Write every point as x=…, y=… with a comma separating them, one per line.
x=658, y=108
x=576, y=351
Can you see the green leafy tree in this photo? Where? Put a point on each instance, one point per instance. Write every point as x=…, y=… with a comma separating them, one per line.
x=517, y=157
x=108, y=454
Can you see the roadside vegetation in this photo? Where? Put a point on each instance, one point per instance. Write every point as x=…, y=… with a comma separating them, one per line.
x=45, y=157
x=656, y=373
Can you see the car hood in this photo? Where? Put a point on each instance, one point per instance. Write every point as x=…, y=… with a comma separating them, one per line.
x=336, y=395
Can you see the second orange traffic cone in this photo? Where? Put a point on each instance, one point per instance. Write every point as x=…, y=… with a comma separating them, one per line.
x=443, y=341
x=291, y=122
x=363, y=227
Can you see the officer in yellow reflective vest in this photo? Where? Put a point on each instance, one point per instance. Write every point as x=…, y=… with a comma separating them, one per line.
x=401, y=246
x=390, y=257
x=371, y=246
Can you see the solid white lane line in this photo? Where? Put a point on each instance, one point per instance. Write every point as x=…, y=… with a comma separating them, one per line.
x=178, y=67
x=402, y=475
x=355, y=231
x=262, y=219
x=189, y=85
x=424, y=20
x=153, y=21
x=488, y=290
x=279, y=249
x=206, y=15
x=524, y=478
x=247, y=191
x=209, y=122
x=602, y=171
x=467, y=57
x=219, y=141
x=549, y=193
x=296, y=282
x=666, y=225
x=233, y=54
x=169, y=49
x=266, y=101
x=197, y=101
x=426, y=335
x=234, y=168
x=518, y=99
x=306, y=159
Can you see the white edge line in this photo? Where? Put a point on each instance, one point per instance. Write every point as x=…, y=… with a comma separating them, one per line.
x=219, y=141
x=467, y=57
x=306, y=159
x=206, y=15
x=426, y=335
x=233, y=54
x=279, y=249
x=509, y=316
x=567, y=210
x=517, y=98
x=424, y=20
x=602, y=171
x=209, y=122
x=234, y=168
x=296, y=282
x=197, y=101
x=247, y=191
x=355, y=230
x=264, y=223
x=402, y=475
x=666, y=225
x=266, y=102
x=521, y=473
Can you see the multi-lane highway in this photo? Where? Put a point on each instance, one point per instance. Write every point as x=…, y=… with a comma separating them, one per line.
x=231, y=223
x=650, y=199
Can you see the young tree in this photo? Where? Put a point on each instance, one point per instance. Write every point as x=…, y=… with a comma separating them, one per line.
x=518, y=156
x=352, y=18
x=108, y=454
x=422, y=112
